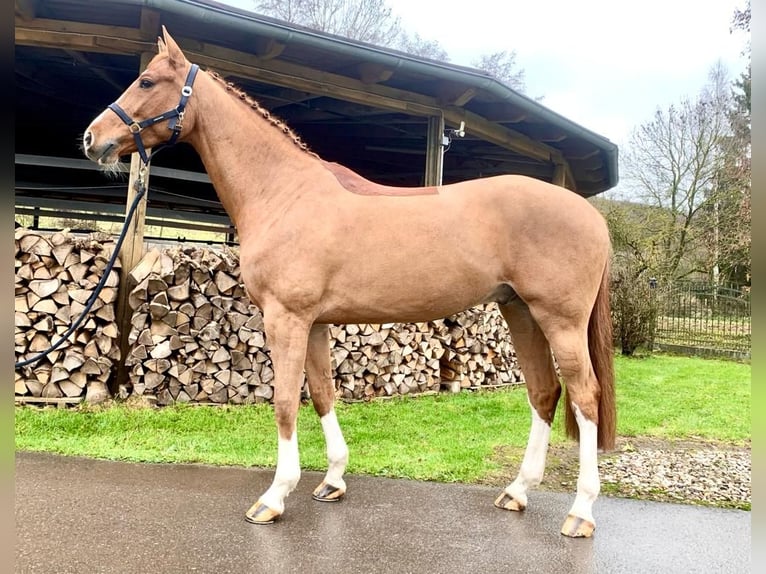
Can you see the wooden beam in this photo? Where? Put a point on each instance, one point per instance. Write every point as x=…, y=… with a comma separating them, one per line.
x=499, y=113
x=373, y=73
x=451, y=94
x=434, y=151
x=559, y=175
x=562, y=173
x=268, y=48
x=84, y=42
x=69, y=27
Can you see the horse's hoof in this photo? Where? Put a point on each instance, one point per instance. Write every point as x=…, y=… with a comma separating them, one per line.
x=328, y=493
x=507, y=502
x=576, y=527
x=259, y=513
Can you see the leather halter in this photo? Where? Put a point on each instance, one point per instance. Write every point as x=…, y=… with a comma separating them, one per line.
x=176, y=117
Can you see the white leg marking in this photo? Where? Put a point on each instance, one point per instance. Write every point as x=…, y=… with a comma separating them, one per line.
x=287, y=475
x=588, y=483
x=533, y=464
x=337, y=451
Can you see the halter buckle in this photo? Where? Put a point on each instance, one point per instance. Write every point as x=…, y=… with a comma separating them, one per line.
x=134, y=128
x=180, y=123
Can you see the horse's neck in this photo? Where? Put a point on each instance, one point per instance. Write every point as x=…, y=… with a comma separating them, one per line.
x=255, y=168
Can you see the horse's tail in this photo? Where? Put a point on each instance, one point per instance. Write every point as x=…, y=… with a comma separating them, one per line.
x=601, y=350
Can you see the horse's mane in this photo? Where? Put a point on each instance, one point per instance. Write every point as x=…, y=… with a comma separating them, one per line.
x=275, y=121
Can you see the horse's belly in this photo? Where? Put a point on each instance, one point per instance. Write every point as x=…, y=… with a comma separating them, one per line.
x=406, y=295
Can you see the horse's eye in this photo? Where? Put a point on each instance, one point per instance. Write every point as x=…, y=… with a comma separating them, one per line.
x=145, y=84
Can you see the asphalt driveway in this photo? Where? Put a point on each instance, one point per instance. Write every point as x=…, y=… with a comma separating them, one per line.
x=76, y=515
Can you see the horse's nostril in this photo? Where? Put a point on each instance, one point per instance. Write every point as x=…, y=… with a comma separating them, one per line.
x=87, y=139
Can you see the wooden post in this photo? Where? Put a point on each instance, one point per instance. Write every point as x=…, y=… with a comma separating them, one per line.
x=130, y=254
x=434, y=151
x=559, y=174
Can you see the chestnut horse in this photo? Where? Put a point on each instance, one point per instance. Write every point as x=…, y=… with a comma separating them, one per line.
x=321, y=245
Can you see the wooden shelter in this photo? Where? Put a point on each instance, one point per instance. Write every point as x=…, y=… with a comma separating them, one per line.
x=381, y=112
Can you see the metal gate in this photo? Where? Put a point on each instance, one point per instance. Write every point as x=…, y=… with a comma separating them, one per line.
x=703, y=318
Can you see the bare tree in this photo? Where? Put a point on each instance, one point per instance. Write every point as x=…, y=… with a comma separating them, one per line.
x=675, y=163
x=416, y=45
x=368, y=21
x=503, y=67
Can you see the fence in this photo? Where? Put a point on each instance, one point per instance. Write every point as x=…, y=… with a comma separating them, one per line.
x=705, y=319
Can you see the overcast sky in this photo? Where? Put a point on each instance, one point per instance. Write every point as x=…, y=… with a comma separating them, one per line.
x=605, y=64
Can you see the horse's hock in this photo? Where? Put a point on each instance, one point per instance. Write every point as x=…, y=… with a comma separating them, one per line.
x=194, y=336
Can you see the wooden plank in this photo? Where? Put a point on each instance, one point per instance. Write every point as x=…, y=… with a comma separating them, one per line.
x=28, y=36
x=71, y=163
x=72, y=206
x=47, y=400
x=63, y=27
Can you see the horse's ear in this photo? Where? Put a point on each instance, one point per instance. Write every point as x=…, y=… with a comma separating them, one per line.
x=175, y=55
x=161, y=47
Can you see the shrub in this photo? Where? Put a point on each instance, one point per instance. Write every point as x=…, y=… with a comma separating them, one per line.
x=634, y=310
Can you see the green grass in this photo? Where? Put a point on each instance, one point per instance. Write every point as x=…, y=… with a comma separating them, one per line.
x=680, y=397
x=445, y=438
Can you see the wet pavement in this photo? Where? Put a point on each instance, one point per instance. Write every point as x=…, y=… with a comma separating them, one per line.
x=75, y=515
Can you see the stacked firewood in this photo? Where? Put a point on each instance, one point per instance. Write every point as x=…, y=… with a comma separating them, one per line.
x=384, y=360
x=195, y=336
x=56, y=276
x=478, y=347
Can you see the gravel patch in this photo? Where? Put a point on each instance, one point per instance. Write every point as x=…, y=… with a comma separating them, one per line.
x=690, y=472
x=684, y=471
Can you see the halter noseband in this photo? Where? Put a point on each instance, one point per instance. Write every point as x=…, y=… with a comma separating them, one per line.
x=176, y=117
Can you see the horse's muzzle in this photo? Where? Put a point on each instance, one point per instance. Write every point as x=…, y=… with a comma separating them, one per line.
x=103, y=153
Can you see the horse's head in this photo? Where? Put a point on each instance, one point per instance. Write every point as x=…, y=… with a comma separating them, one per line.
x=149, y=113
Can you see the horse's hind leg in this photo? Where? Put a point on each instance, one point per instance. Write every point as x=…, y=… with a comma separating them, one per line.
x=543, y=391
x=570, y=346
x=322, y=388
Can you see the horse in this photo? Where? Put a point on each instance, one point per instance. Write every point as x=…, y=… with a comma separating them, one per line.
x=322, y=245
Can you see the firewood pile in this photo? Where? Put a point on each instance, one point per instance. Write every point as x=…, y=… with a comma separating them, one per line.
x=479, y=353
x=56, y=276
x=196, y=337
x=194, y=334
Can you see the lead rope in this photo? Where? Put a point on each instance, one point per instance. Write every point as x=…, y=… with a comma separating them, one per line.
x=140, y=188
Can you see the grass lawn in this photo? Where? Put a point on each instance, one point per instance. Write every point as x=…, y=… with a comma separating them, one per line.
x=444, y=438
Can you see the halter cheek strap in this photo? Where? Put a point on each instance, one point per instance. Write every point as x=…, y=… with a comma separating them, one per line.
x=175, y=117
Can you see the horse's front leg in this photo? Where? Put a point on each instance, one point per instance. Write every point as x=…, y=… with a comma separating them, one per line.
x=287, y=336
x=322, y=388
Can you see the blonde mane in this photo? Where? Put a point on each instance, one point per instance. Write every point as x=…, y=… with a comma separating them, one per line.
x=273, y=120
